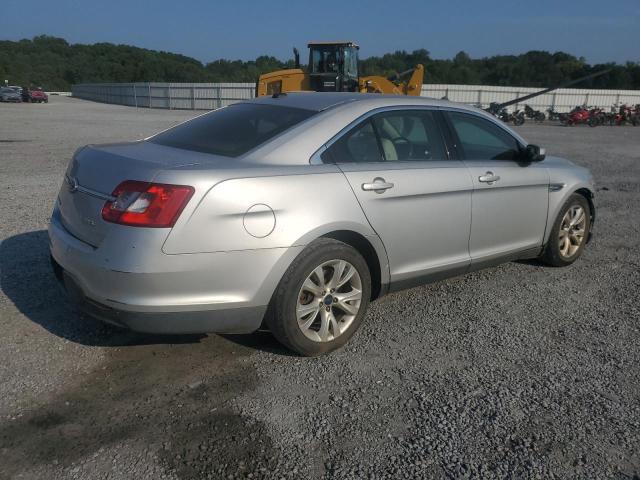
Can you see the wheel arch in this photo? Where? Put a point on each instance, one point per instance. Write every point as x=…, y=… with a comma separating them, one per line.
x=588, y=195
x=371, y=255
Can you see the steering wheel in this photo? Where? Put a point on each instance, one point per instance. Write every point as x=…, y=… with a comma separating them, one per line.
x=402, y=144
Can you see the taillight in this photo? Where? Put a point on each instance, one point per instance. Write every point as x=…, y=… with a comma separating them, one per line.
x=142, y=204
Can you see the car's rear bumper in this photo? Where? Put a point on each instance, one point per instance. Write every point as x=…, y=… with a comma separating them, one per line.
x=232, y=320
x=141, y=288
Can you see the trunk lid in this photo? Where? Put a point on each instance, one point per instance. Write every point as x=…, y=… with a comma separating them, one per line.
x=96, y=170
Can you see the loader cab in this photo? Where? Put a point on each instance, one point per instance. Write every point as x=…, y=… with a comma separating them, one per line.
x=333, y=66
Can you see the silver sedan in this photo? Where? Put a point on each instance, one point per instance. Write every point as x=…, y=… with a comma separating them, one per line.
x=293, y=212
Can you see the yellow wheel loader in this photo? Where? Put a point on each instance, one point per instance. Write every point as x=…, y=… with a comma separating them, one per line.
x=333, y=67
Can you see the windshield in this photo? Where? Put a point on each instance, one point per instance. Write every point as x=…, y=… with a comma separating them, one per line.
x=233, y=130
x=325, y=60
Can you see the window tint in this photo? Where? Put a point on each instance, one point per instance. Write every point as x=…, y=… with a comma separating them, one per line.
x=482, y=140
x=358, y=145
x=410, y=135
x=233, y=130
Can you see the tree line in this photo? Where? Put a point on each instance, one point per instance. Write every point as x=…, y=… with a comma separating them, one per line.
x=55, y=64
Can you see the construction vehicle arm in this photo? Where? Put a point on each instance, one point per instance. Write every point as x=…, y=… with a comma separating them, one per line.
x=394, y=84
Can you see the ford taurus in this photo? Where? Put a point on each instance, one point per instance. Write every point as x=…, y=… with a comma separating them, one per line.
x=293, y=212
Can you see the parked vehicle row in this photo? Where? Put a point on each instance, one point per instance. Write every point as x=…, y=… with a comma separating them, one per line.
x=22, y=94
x=595, y=116
x=10, y=95
x=581, y=114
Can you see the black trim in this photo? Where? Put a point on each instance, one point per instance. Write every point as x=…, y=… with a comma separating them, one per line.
x=527, y=254
x=448, y=135
x=452, y=136
x=530, y=253
x=378, y=137
x=426, y=279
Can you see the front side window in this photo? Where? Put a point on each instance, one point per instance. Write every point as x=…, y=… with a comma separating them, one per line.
x=359, y=145
x=233, y=130
x=351, y=62
x=410, y=135
x=482, y=140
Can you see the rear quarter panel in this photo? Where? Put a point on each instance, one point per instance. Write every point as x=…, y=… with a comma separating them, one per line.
x=291, y=206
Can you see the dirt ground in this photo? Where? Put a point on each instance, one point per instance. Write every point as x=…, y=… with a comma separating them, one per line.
x=519, y=371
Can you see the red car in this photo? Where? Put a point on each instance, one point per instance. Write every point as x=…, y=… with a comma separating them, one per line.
x=38, y=96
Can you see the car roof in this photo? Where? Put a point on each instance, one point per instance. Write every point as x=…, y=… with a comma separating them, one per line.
x=319, y=101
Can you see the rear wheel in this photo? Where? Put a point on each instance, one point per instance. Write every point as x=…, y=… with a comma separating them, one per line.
x=569, y=233
x=322, y=298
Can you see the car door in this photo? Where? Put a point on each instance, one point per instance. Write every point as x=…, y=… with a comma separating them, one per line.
x=510, y=196
x=415, y=197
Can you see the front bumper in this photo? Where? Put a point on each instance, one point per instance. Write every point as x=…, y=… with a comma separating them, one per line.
x=137, y=286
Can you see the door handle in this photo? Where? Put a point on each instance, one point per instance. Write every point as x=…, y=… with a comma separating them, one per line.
x=489, y=178
x=379, y=185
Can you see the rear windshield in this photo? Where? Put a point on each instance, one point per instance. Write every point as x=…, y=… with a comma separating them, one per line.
x=233, y=130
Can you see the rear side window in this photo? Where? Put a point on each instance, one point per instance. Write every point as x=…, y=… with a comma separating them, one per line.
x=359, y=145
x=410, y=135
x=482, y=140
x=398, y=135
x=234, y=130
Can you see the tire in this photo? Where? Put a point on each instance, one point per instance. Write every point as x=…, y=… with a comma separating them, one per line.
x=593, y=122
x=553, y=254
x=540, y=117
x=291, y=297
x=518, y=121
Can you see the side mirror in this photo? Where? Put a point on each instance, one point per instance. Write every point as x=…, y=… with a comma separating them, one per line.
x=533, y=153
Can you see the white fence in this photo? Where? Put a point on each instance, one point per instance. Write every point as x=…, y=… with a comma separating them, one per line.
x=189, y=96
x=208, y=96
x=562, y=99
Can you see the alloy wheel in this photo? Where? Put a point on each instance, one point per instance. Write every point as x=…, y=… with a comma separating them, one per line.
x=572, y=231
x=329, y=300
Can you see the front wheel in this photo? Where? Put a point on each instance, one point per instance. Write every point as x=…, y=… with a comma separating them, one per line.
x=569, y=232
x=321, y=299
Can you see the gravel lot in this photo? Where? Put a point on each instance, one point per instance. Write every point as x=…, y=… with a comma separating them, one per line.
x=519, y=371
